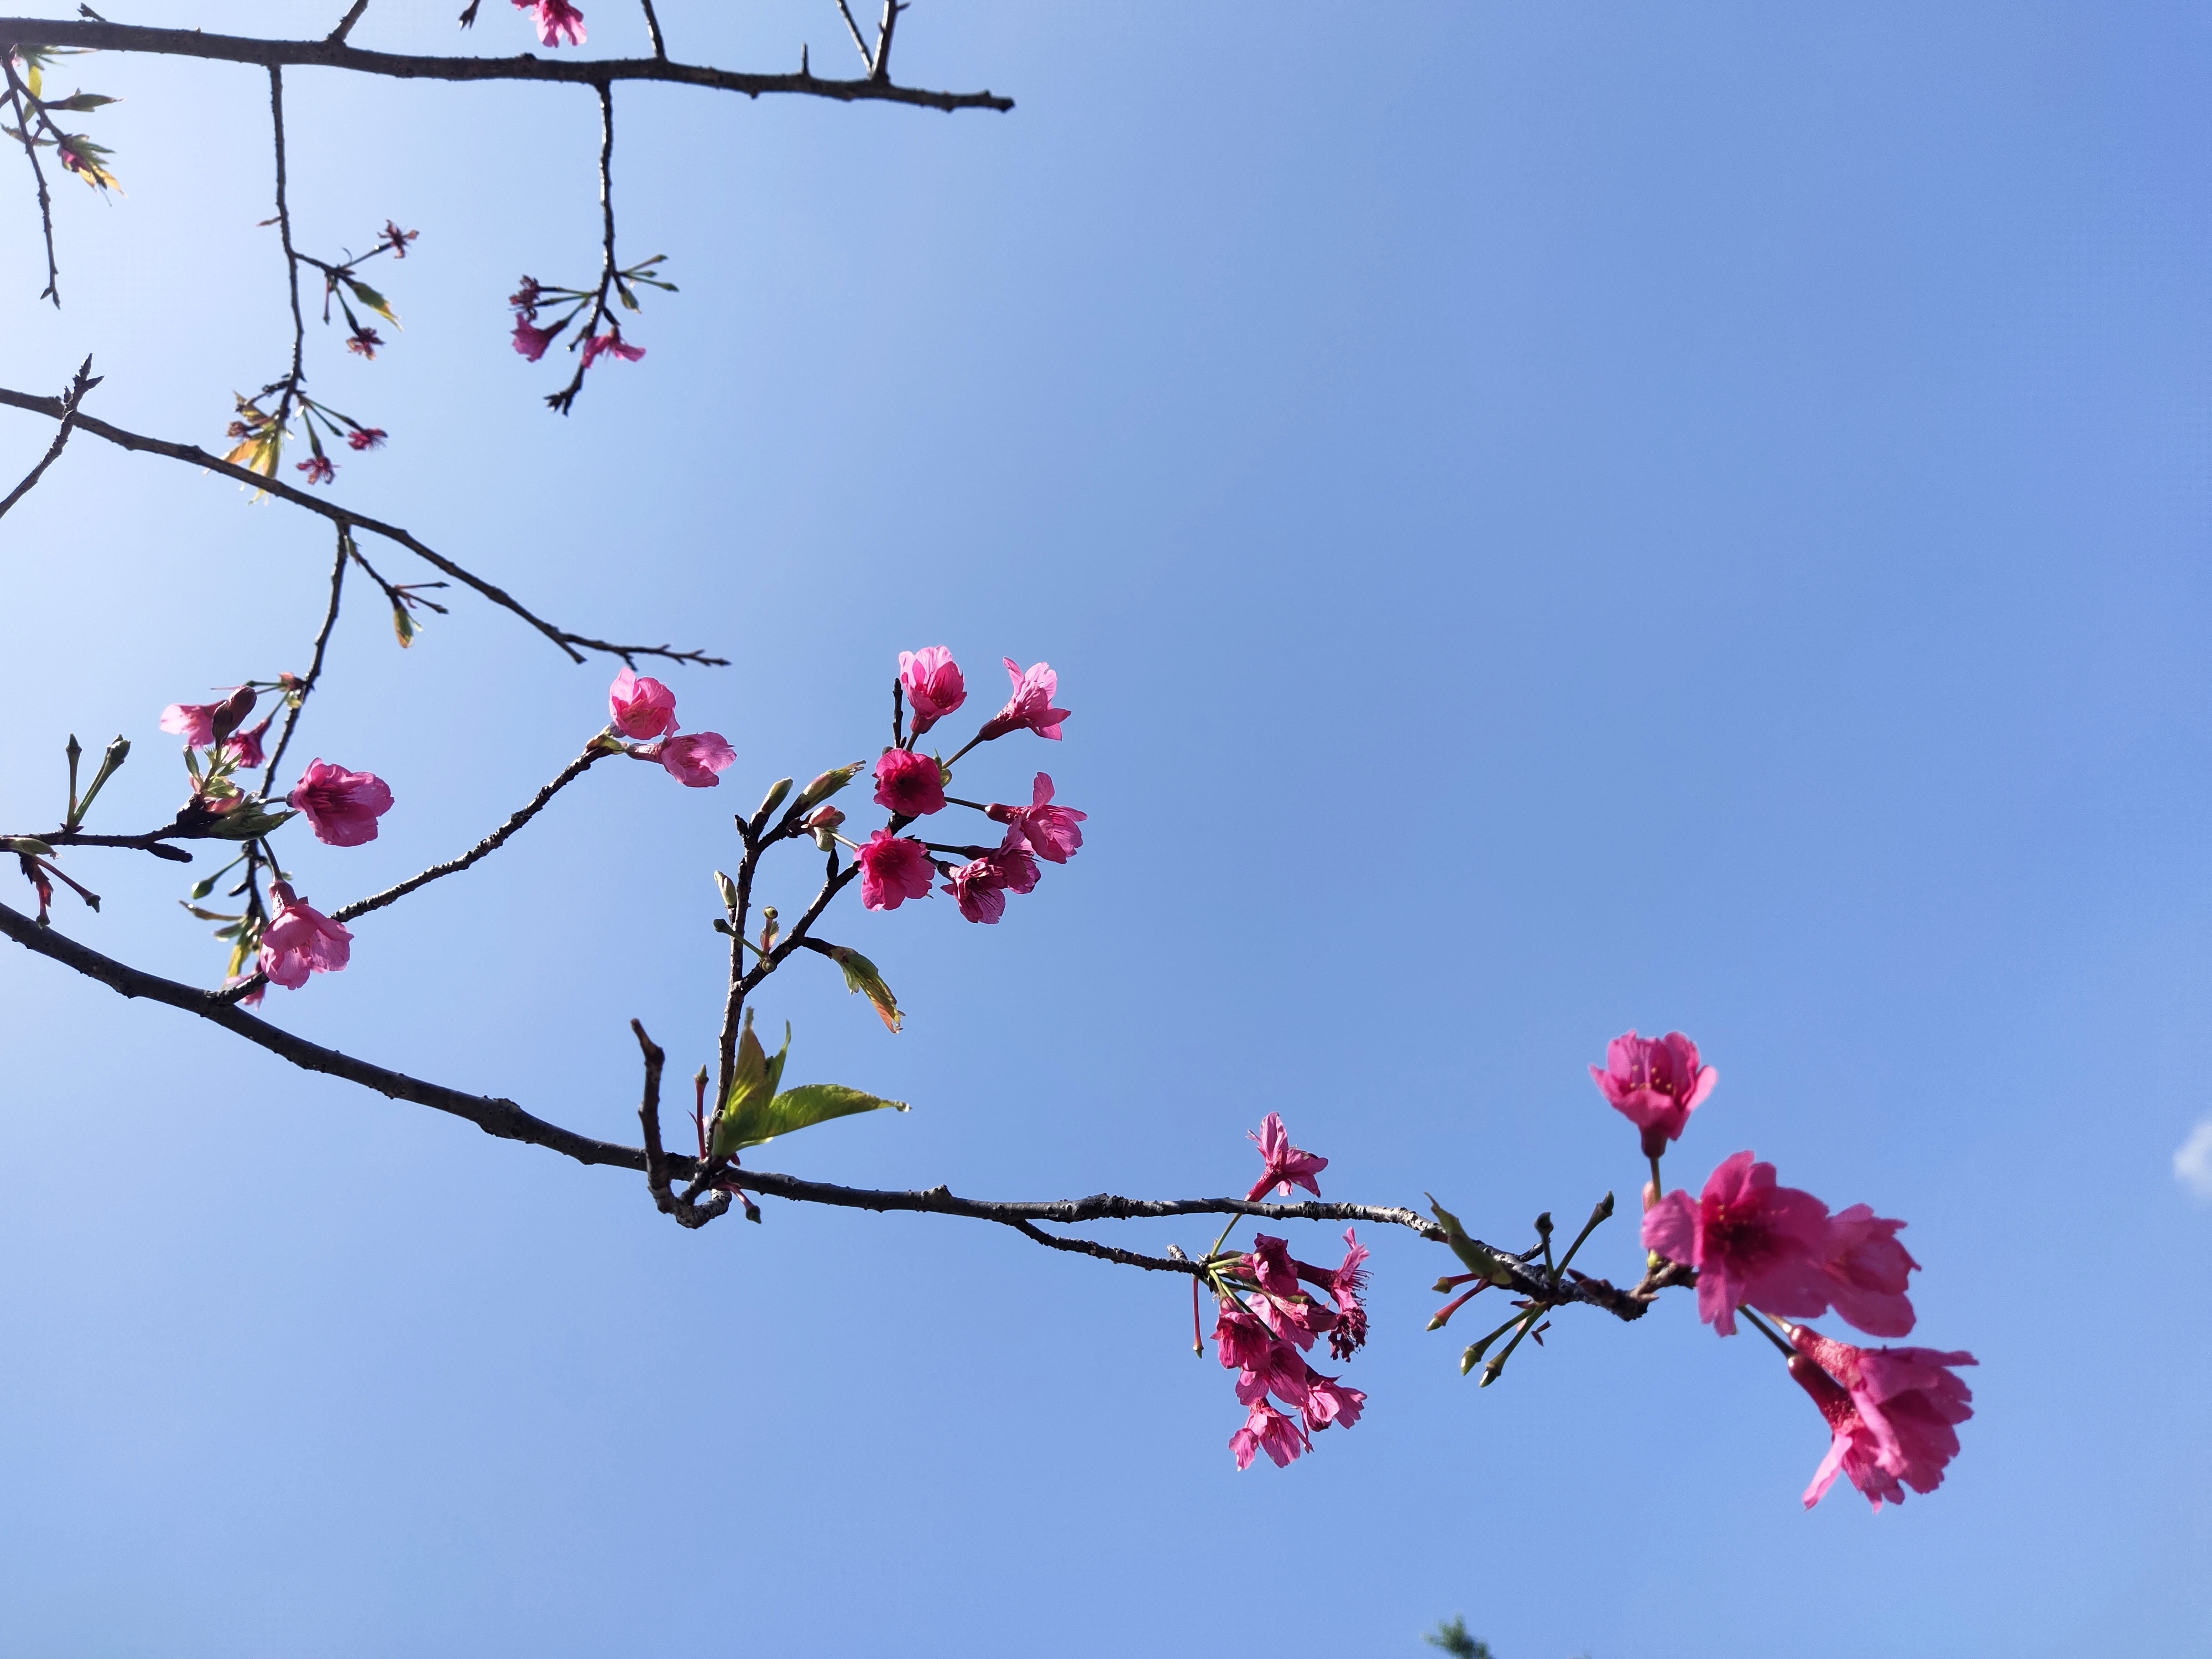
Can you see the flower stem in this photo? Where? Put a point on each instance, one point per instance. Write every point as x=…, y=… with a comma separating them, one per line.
x=1766, y=1330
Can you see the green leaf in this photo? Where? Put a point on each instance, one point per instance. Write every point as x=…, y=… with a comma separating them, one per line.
x=862, y=977
x=80, y=103
x=402, y=626
x=1478, y=1256
x=793, y=1109
x=369, y=297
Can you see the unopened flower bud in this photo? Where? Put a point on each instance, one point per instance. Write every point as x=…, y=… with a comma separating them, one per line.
x=829, y=783
x=231, y=711
x=821, y=823
x=728, y=888
x=776, y=792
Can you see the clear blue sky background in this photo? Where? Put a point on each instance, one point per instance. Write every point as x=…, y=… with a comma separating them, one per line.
x=1550, y=518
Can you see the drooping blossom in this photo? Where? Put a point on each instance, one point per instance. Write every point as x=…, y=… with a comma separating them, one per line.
x=244, y=752
x=980, y=891
x=893, y=869
x=300, y=940
x=1284, y=1309
x=1656, y=1083
x=1896, y=1420
x=364, y=343
x=641, y=708
x=192, y=721
x=911, y=785
x=319, y=469
x=1239, y=1340
x=1052, y=832
x=366, y=437
x=1866, y=1268
x=610, y=343
x=1031, y=705
x=1287, y=1166
x=530, y=340
x=1267, y=1430
x=933, y=684
x=1017, y=870
x=555, y=19
x=1279, y=1370
x=1750, y=1240
x=696, y=759
x=1328, y=1403
x=252, y=998
x=342, y=807
x=1345, y=1287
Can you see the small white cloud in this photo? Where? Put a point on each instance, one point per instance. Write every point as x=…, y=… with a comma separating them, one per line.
x=2192, y=1164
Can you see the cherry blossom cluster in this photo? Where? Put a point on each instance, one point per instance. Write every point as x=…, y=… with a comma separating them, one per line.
x=643, y=710
x=894, y=868
x=1761, y=1248
x=285, y=937
x=532, y=337
x=1267, y=1323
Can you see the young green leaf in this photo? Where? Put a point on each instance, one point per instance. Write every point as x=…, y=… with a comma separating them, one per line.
x=369, y=297
x=793, y=1109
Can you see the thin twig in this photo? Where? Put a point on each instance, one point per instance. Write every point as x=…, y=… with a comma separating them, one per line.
x=327, y=54
x=858, y=40
x=314, y=668
x=291, y=259
x=84, y=382
x=685, y=1212
x=565, y=399
x=652, y=28
x=17, y=92
x=337, y=36
x=879, y=69
x=485, y=848
x=573, y=644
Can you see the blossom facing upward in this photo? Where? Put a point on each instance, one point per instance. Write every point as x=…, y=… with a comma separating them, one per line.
x=1051, y=832
x=1896, y=1420
x=530, y=340
x=696, y=759
x=893, y=869
x=1287, y=1166
x=1750, y=1240
x=1031, y=705
x=342, y=807
x=1656, y=1083
x=641, y=708
x=1268, y=1430
x=933, y=683
x=911, y=785
x=1866, y=1268
x=300, y=940
x=192, y=721
x=557, y=19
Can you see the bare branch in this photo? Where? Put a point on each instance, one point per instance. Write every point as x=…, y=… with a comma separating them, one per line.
x=156, y=842
x=879, y=68
x=573, y=644
x=329, y=54
x=685, y=1212
x=652, y=28
x=858, y=40
x=565, y=399
x=485, y=848
x=291, y=259
x=315, y=668
x=84, y=382
x=337, y=36
x=18, y=97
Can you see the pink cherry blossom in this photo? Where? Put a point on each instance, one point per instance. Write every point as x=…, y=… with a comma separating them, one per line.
x=1280, y=1370
x=252, y=998
x=342, y=807
x=366, y=437
x=1286, y=1164
x=530, y=340
x=612, y=343
x=1285, y=1310
x=1031, y=705
x=1016, y=869
x=1345, y=1287
x=1866, y=1268
x=1327, y=1402
x=641, y=708
x=300, y=940
x=933, y=684
x=1050, y=831
x=554, y=19
x=1267, y=1430
x=1239, y=1340
x=980, y=891
x=319, y=469
x=911, y=785
x=695, y=759
x=893, y=869
x=1656, y=1083
x=1906, y=1404
x=1751, y=1242
x=243, y=749
x=192, y=721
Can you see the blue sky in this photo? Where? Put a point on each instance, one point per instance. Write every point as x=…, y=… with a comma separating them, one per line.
x=1549, y=519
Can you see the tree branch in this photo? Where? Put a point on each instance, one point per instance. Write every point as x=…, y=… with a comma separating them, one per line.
x=573, y=644
x=337, y=54
x=314, y=668
x=490, y=844
x=19, y=97
x=84, y=382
